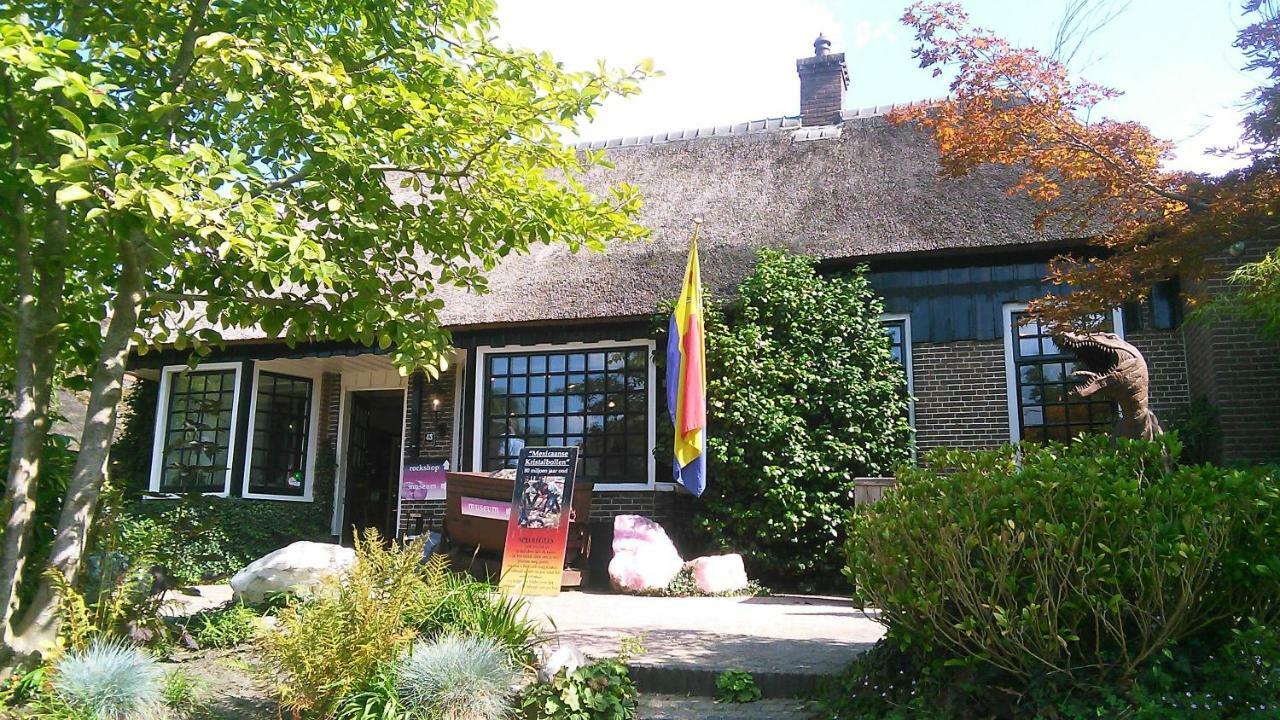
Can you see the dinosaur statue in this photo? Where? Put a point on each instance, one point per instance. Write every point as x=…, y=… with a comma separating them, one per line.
x=1117, y=371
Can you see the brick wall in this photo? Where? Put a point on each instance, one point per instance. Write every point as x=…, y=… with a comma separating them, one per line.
x=1236, y=371
x=1166, y=370
x=823, y=79
x=960, y=394
x=962, y=397
x=433, y=419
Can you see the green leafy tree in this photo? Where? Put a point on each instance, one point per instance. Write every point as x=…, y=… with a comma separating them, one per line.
x=804, y=396
x=316, y=169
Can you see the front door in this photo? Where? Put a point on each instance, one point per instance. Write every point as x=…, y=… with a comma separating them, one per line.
x=373, y=462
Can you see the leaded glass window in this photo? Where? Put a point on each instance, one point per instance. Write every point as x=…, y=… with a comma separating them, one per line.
x=1043, y=379
x=199, y=423
x=281, y=427
x=594, y=399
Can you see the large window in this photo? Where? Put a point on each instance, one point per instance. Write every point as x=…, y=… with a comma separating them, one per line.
x=195, y=430
x=595, y=398
x=281, y=430
x=1041, y=404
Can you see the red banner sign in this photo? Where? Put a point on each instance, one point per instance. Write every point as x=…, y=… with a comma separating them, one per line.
x=538, y=529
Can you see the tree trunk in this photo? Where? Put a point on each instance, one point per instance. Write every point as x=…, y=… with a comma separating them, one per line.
x=41, y=280
x=36, y=630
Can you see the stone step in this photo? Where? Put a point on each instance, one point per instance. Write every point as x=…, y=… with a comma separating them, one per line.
x=678, y=707
x=677, y=679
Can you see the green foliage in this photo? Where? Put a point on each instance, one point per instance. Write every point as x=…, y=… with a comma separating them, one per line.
x=183, y=694
x=457, y=605
x=109, y=680
x=457, y=678
x=737, y=686
x=328, y=647
x=803, y=397
x=376, y=698
x=223, y=627
x=119, y=602
x=131, y=450
x=1097, y=575
x=602, y=690
x=239, y=155
x=198, y=538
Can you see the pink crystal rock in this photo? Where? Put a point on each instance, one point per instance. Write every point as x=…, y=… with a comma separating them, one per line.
x=719, y=573
x=644, y=558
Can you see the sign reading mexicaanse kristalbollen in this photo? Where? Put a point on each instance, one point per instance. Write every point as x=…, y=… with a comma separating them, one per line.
x=538, y=529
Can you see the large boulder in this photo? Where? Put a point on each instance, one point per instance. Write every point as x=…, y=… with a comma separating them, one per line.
x=644, y=558
x=300, y=568
x=719, y=573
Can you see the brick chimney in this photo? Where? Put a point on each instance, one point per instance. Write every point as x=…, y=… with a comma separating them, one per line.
x=823, y=80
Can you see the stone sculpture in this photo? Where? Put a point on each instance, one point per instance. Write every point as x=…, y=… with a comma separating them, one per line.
x=1118, y=372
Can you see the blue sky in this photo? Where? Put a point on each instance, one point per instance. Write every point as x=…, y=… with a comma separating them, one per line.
x=728, y=61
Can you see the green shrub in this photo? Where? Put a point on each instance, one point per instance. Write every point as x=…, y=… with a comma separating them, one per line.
x=375, y=698
x=328, y=647
x=199, y=539
x=110, y=680
x=457, y=678
x=1076, y=564
x=602, y=690
x=803, y=396
x=458, y=605
x=737, y=686
x=223, y=627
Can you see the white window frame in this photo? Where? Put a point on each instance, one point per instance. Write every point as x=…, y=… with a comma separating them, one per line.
x=477, y=435
x=905, y=319
x=313, y=436
x=162, y=423
x=1010, y=368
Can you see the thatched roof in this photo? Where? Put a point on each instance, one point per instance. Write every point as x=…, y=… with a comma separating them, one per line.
x=862, y=189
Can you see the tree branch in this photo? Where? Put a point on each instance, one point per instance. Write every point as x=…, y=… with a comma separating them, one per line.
x=297, y=303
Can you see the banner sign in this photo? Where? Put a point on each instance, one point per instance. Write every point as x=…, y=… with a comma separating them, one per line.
x=538, y=529
x=484, y=508
x=423, y=479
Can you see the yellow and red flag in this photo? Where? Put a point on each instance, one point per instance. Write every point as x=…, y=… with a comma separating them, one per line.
x=687, y=379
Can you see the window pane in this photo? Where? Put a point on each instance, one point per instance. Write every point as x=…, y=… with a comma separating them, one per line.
x=197, y=432
x=281, y=428
x=1043, y=375
x=596, y=400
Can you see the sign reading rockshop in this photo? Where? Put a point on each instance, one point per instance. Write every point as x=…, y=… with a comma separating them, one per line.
x=538, y=527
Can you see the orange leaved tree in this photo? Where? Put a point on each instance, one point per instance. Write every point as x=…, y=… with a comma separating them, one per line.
x=1105, y=180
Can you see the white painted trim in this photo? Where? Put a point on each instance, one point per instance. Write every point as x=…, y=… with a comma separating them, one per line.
x=905, y=318
x=459, y=370
x=1010, y=370
x=477, y=436
x=162, y=423
x=308, y=474
x=340, y=454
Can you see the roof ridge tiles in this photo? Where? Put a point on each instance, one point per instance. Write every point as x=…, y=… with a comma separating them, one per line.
x=783, y=122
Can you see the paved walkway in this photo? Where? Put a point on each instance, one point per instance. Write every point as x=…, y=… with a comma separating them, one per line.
x=786, y=642
x=673, y=707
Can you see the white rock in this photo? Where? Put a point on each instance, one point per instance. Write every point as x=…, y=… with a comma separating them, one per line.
x=644, y=558
x=566, y=657
x=719, y=573
x=300, y=568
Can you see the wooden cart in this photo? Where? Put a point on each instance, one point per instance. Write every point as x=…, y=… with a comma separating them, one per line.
x=475, y=523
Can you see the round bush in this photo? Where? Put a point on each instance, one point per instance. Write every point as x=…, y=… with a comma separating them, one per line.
x=110, y=681
x=1079, y=561
x=804, y=396
x=457, y=678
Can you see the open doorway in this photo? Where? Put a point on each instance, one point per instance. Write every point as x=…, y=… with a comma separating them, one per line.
x=375, y=428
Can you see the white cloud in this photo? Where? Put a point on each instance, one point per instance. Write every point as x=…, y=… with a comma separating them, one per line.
x=724, y=61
